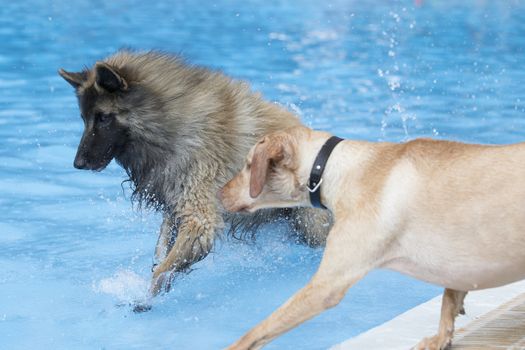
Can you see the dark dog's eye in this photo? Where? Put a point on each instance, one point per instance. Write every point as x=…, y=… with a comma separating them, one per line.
x=104, y=119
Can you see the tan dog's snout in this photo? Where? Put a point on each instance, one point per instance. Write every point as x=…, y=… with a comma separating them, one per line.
x=220, y=194
x=224, y=197
x=230, y=195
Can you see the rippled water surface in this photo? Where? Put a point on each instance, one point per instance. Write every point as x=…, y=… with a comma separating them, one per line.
x=73, y=251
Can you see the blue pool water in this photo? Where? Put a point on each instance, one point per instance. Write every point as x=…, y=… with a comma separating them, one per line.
x=73, y=251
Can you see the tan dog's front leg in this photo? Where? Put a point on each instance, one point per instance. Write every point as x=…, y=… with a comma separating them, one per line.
x=314, y=298
x=342, y=265
x=198, y=224
x=451, y=306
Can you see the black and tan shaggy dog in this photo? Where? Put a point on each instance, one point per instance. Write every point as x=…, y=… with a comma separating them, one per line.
x=180, y=132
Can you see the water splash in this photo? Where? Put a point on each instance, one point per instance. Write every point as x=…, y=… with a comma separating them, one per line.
x=125, y=285
x=393, y=77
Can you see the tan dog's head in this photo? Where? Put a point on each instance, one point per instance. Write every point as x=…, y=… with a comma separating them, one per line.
x=269, y=178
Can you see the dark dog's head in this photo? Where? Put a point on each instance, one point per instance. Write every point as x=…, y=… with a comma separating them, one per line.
x=99, y=92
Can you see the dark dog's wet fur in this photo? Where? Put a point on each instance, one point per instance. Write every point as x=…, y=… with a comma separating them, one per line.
x=180, y=132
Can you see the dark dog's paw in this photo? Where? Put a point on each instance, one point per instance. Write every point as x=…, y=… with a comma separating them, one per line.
x=162, y=283
x=154, y=266
x=141, y=307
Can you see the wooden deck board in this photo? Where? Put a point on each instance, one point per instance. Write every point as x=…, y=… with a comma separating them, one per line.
x=502, y=328
x=407, y=329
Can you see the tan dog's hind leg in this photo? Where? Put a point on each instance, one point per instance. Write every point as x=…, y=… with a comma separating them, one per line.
x=346, y=259
x=451, y=306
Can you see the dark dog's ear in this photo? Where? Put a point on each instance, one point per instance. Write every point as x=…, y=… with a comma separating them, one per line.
x=266, y=152
x=108, y=79
x=75, y=79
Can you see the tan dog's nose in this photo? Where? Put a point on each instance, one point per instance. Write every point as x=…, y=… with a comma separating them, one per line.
x=220, y=194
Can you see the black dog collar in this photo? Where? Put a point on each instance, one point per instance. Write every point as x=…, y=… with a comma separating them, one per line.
x=314, y=184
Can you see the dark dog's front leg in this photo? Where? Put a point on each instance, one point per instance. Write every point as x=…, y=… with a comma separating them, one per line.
x=198, y=223
x=164, y=243
x=166, y=237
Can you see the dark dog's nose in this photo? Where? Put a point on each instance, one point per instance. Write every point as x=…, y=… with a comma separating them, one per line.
x=80, y=163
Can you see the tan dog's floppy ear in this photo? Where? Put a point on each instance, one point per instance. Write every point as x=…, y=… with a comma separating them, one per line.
x=266, y=151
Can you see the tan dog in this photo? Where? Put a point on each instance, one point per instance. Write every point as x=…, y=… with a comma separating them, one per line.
x=448, y=213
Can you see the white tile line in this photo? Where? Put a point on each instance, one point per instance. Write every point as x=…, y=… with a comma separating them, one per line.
x=407, y=329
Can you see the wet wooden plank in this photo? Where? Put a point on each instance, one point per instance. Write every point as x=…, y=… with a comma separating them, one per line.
x=502, y=328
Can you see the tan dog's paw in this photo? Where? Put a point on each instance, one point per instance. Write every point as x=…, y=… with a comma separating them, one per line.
x=436, y=342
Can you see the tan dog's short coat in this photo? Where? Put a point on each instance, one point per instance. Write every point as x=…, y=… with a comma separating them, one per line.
x=448, y=213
